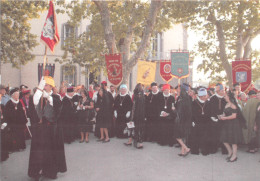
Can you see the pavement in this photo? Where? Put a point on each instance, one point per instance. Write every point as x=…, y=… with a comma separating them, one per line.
x=113, y=161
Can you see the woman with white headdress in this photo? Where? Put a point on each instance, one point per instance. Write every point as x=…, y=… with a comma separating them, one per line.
x=123, y=106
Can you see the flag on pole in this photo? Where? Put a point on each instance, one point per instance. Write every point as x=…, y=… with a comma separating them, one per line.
x=50, y=34
x=242, y=73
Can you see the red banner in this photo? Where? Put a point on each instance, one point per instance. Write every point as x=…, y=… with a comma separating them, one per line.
x=114, y=68
x=165, y=70
x=241, y=71
x=50, y=34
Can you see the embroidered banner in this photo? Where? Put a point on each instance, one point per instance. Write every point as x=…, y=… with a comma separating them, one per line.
x=180, y=64
x=165, y=70
x=114, y=68
x=50, y=34
x=49, y=70
x=241, y=71
x=146, y=72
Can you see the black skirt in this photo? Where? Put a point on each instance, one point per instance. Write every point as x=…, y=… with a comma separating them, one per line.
x=84, y=122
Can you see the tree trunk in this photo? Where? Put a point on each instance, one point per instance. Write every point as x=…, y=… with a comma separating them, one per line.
x=128, y=63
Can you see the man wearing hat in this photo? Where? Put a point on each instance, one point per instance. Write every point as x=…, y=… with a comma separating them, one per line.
x=15, y=118
x=217, y=104
x=200, y=125
x=152, y=112
x=4, y=97
x=47, y=156
x=68, y=116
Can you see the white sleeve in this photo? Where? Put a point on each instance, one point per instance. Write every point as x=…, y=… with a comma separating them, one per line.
x=37, y=96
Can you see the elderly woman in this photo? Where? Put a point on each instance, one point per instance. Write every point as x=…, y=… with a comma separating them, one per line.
x=16, y=120
x=123, y=106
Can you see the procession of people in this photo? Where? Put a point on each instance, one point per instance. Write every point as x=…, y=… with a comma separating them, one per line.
x=195, y=120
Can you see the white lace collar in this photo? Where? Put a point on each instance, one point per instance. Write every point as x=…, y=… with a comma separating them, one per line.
x=219, y=96
x=123, y=94
x=201, y=101
x=68, y=96
x=14, y=101
x=155, y=92
x=166, y=95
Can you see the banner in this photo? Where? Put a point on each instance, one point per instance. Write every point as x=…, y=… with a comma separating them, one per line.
x=49, y=70
x=50, y=34
x=165, y=70
x=114, y=68
x=180, y=64
x=146, y=72
x=241, y=71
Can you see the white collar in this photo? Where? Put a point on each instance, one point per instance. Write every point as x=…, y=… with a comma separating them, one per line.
x=219, y=96
x=14, y=101
x=201, y=101
x=68, y=96
x=155, y=92
x=166, y=95
x=123, y=94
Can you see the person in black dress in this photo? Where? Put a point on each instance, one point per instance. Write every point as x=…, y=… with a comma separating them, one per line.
x=123, y=106
x=68, y=116
x=137, y=117
x=166, y=120
x=85, y=115
x=231, y=130
x=103, y=119
x=152, y=111
x=183, y=120
x=16, y=120
x=200, y=124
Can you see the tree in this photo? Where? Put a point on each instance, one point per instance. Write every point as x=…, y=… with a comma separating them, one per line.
x=16, y=39
x=233, y=25
x=118, y=27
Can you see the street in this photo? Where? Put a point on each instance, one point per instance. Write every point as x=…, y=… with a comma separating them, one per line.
x=114, y=161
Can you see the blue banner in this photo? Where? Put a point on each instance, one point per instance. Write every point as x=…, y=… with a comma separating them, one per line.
x=180, y=64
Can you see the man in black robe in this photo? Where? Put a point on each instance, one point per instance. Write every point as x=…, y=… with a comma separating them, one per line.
x=47, y=156
x=68, y=116
x=217, y=104
x=152, y=113
x=200, y=124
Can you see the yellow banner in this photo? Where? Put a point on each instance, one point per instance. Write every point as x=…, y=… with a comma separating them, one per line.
x=146, y=72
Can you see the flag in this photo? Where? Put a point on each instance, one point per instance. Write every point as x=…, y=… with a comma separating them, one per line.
x=165, y=70
x=50, y=34
x=146, y=72
x=114, y=68
x=180, y=64
x=241, y=72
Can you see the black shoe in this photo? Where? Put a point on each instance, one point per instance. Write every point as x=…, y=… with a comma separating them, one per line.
x=140, y=147
x=128, y=144
x=106, y=141
x=186, y=154
x=232, y=160
x=101, y=139
x=228, y=158
x=81, y=141
x=87, y=141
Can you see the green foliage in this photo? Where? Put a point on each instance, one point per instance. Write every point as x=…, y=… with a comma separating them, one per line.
x=16, y=39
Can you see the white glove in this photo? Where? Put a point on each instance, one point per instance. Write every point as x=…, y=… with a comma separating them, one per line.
x=214, y=119
x=28, y=122
x=42, y=83
x=75, y=103
x=193, y=124
x=128, y=114
x=78, y=108
x=3, y=125
x=115, y=114
x=49, y=98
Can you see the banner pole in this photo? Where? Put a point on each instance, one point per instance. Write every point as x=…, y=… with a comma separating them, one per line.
x=43, y=73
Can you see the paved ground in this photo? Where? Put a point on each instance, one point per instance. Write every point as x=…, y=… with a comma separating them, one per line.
x=115, y=162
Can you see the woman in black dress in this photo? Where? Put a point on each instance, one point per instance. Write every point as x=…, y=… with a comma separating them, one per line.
x=231, y=131
x=85, y=115
x=102, y=109
x=123, y=106
x=183, y=121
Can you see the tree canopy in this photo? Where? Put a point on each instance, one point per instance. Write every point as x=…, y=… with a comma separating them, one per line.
x=16, y=39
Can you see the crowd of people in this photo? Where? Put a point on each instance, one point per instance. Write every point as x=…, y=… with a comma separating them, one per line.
x=197, y=120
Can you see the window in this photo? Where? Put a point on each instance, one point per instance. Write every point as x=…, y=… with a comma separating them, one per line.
x=69, y=74
x=69, y=33
x=156, y=52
